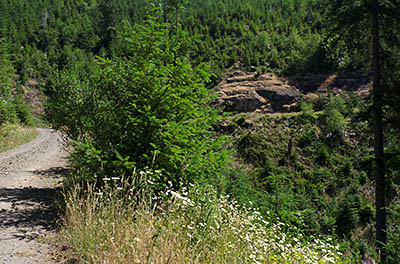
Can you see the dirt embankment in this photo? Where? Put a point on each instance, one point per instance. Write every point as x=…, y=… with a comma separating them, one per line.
x=29, y=176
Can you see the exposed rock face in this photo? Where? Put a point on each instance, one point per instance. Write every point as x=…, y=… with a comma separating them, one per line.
x=267, y=93
x=252, y=93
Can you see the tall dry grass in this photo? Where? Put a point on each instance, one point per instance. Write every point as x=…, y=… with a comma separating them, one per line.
x=195, y=225
x=13, y=135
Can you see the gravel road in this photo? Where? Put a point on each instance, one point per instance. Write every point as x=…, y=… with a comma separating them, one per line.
x=29, y=176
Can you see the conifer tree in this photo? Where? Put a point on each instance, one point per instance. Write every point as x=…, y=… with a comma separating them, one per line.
x=358, y=24
x=6, y=69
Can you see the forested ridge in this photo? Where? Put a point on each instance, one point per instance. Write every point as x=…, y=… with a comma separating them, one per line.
x=129, y=84
x=275, y=35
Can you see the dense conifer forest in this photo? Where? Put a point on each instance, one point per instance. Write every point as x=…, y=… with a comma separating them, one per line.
x=129, y=82
x=285, y=36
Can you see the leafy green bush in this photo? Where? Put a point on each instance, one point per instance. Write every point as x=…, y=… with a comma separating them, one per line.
x=367, y=212
x=347, y=216
x=148, y=108
x=7, y=112
x=307, y=110
x=322, y=155
x=307, y=137
x=335, y=124
x=22, y=111
x=344, y=173
x=252, y=147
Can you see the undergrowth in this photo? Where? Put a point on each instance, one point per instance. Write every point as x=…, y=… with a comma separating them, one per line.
x=313, y=170
x=194, y=225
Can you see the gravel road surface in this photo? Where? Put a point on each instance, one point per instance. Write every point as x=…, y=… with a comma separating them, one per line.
x=29, y=176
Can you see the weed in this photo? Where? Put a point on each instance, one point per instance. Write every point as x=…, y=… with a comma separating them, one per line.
x=12, y=135
x=195, y=225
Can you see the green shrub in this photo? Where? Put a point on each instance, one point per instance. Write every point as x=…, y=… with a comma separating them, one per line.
x=252, y=147
x=307, y=110
x=347, y=216
x=320, y=103
x=147, y=108
x=22, y=111
x=307, y=137
x=367, y=212
x=322, y=155
x=347, y=168
x=321, y=175
x=7, y=112
x=334, y=122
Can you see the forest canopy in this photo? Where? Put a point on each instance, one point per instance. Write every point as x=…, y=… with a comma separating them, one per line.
x=283, y=36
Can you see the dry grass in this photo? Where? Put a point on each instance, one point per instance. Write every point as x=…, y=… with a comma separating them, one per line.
x=194, y=226
x=13, y=135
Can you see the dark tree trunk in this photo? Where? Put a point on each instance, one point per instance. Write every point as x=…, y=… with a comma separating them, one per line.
x=378, y=135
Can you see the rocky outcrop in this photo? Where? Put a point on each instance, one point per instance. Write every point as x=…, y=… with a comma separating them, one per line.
x=249, y=92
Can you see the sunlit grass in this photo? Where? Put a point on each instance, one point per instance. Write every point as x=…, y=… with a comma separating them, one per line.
x=13, y=135
x=195, y=225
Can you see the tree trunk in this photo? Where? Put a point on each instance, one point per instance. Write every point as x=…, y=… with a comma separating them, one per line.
x=380, y=194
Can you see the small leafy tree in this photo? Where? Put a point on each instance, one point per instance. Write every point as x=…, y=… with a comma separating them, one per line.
x=335, y=124
x=148, y=108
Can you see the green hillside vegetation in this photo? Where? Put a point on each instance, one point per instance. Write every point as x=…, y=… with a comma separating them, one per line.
x=15, y=116
x=129, y=84
x=12, y=107
x=14, y=113
x=312, y=168
x=284, y=36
